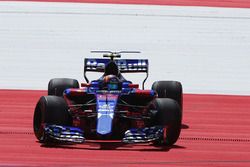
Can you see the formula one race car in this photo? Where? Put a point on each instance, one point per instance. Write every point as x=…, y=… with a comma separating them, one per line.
x=111, y=107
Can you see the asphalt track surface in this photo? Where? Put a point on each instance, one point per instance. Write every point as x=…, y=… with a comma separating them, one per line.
x=215, y=133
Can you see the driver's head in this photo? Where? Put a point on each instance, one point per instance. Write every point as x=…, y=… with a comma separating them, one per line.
x=111, y=82
x=111, y=69
x=110, y=79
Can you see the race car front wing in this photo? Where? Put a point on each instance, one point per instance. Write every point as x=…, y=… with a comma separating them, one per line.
x=143, y=135
x=67, y=134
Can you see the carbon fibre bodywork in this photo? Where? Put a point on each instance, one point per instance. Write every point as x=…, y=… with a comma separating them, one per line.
x=109, y=112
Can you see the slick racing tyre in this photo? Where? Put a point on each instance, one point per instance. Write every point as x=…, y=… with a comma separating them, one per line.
x=50, y=110
x=58, y=85
x=169, y=89
x=168, y=115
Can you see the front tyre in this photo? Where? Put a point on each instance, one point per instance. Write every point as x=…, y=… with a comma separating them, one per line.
x=50, y=110
x=168, y=115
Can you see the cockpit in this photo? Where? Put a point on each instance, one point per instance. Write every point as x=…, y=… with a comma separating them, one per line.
x=111, y=82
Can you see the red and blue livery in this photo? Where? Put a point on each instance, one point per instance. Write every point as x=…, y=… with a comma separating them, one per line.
x=110, y=107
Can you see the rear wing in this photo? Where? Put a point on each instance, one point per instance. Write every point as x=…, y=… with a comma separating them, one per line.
x=124, y=65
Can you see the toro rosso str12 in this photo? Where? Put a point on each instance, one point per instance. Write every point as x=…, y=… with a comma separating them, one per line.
x=110, y=107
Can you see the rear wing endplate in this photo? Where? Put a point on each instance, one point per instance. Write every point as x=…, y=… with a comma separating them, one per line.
x=124, y=65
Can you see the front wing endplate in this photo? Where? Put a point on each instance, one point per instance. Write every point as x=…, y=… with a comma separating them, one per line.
x=63, y=134
x=144, y=135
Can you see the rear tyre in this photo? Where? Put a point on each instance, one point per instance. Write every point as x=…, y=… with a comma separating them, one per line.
x=169, y=89
x=50, y=110
x=58, y=85
x=168, y=115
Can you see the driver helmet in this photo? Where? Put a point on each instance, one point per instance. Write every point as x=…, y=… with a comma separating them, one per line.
x=111, y=82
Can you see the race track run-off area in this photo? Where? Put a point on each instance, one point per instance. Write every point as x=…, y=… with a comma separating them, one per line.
x=215, y=132
x=206, y=48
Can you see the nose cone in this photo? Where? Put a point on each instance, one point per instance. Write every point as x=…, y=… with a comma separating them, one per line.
x=104, y=123
x=106, y=104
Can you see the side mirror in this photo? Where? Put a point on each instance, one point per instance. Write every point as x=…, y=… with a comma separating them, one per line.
x=133, y=86
x=85, y=85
